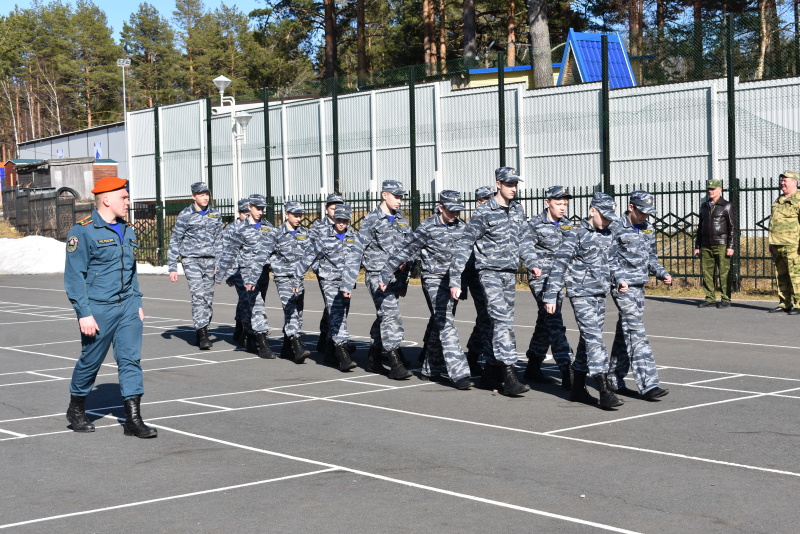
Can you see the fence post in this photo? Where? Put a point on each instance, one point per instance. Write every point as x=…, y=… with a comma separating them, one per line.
x=605, y=117
x=335, y=133
x=267, y=162
x=732, y=178
x=412, y=134
x=501, y=105
x=159, y=204
x=209, y=145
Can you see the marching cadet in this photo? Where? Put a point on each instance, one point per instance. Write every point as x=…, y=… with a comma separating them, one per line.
x=548, y=230
x=328, y=250
x=321, y=225
x=582, y=264
x=500, y=236
x=633, y=257
x=434, y=241
x=194, y=239
x=101, y=283
x=251, y=243
x=381, y=231
x=235, y=279
x=291, y=242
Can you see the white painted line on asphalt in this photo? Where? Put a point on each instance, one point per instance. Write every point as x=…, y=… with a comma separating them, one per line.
x=728, y=373
x=222, y=408
x=42, y=354
x=37, y=321
x=162, y=499
x=351, y=381
x=42, y=374
x=195, y=359
x=713, y=380
x=15, y=434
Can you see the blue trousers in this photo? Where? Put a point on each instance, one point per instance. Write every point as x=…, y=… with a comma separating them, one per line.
x=120, y=326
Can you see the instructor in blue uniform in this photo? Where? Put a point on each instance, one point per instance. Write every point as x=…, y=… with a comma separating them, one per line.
x=101, y=283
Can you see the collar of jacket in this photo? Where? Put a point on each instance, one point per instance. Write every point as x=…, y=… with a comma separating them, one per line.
x=543, y=217
x=99, y=222
x=495, y=205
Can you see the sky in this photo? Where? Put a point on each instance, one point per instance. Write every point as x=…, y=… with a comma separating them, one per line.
x=119, y=11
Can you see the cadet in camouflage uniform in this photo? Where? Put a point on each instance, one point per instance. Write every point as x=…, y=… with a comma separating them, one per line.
x=633, y=257
x=784, y=239
x=328, y=250
x=235, y=279
x=479, y=344
x=582, y=264
x=251, y=243
x=548, y=230
x=434, y=241
x=381, y=231
x=322, y=225
x=500, y=235
x=194, y=239
x=291, y=242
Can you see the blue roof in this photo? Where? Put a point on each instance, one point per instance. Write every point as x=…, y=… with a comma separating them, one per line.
x=505, y=69
x=585, y=48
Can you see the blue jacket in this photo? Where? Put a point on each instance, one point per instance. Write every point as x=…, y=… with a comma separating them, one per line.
x=98, y=268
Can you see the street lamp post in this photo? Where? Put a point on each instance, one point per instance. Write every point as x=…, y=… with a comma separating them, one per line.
x=238, y=123
x=124, y=63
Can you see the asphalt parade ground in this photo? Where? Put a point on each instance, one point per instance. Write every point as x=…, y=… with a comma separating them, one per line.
x=252, y=445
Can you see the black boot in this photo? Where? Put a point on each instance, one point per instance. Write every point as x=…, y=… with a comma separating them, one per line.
x=351, y=347
x=475, y=368
x=134, y=426
x=579, y=393
x=322, y=343
x=76, y=415
x=533, y=372
x=511, y=384
x=374, y=364
x=398, y=370
x=286, y=348
x=251, y=343
x=403, y=359
x=345, y=363
x=607, y=398
x=331, y=357
x=492, y=377
x=566, y=377
x=238, y=334
x=299, y=351
x=263, y=347
x=622, y=389
x=202, y=339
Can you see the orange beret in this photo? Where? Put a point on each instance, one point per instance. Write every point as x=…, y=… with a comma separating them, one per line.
x=109, y=183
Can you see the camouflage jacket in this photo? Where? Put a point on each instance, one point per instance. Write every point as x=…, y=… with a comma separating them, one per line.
x=547, y=238
x=289, y=248
x=633, y=253
x=433, y=241
x=194, y=235
x=376, y=241
x=327, y=251
x=500, y=239
x=582, y=264
x=223, y=243
x=320, y=226
x=784, y=223
x=252, y=247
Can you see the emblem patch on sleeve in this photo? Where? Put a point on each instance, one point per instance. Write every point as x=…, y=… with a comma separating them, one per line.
x=72, y=244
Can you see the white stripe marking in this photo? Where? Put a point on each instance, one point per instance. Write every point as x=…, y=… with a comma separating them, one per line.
x=223, y=408
x=713, y=380
x=15, y=434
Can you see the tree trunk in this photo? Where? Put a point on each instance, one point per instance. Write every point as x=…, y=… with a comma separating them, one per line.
x=470, y=45
x=635, y=23
x=511, y=30
x=330, y=38
x=767, y=15
x=442, y=37
x=361, y=52
x=428, y=30
x=540, y=43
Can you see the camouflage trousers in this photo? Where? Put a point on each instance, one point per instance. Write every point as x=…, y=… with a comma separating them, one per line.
x=444, y=352
x=337, y=307
x=200, y=275
x=236, y=281
x=631, y=348
x=263, y=282
x=500, y=290
x=387, y=329
x=787, y=275
x=590, y=314
x=549, y=332
x=292, y=305
x=254, y=319
x=480, y=340
x=324, y=320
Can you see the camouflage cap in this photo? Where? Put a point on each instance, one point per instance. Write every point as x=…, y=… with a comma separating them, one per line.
x=394, y=187
x=257, y=200
x=293, y=206
x=557, y=191
x=343, y=211
x=451, y=200
x=243, y=204
x=794, y=175
x=606, y=205
x=507, y=175
x=713, y=184
x=200, y=187
x=644, y=202
x=334, y=198
x=484, y=191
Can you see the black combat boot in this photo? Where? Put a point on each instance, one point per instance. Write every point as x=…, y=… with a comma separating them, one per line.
x=398, y=370
x=263, y=347
x=322, y=343
x=579, y=393
x=403, y=358
x=374, y=364
x=351, y=347
x=202, y=339
x=475, y=368
x=463, y=383
x=622, y=389
x=511, y=384
x=239, y=334
x=299, y=351
x=76, y=415
x=286, y=348
x=654, y=393
x=345, y=363
x=492, y=377
x=607, y=398
x=533, y=372
x=331, y=357
x=566, y=377
x=134, y=426
x=251, y=343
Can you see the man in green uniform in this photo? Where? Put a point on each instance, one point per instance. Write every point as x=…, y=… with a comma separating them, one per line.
x=784, y=239
x=714, y=243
